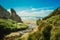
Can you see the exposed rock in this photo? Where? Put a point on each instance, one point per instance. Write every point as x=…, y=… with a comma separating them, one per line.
x=4, y=13
x=14, y=16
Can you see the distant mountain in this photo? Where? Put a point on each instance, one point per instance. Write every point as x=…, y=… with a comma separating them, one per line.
x=55, y=12
x=14, y=16
x=4, y=13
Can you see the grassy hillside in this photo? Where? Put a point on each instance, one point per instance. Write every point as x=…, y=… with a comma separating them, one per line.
x=8, y=23
x=7, y=26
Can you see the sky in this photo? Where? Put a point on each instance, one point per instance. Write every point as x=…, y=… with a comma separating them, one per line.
x=35, y=8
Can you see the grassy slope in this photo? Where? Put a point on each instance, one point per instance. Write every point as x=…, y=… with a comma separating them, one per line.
x=7, y=26
x=8, y=23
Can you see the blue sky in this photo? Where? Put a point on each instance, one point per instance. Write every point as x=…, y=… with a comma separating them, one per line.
x=31, y=7
x=28, y=3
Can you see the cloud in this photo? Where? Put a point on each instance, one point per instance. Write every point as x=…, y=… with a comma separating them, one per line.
x=8, y=10
x=40, y=13
x=33, y=9
x=29, y=14
x=33, y=12
x=24, y=13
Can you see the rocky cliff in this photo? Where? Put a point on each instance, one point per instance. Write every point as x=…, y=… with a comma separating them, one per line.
x=4, y=13
x=14, y=16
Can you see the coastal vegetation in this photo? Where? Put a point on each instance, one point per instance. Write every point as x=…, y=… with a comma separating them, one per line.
x=48, y=28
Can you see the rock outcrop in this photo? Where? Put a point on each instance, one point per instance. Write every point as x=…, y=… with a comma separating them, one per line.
x=4, y=13
x=14, y=16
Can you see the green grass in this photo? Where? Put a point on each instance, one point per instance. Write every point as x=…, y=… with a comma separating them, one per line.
x=7, y=26
x=8, y=23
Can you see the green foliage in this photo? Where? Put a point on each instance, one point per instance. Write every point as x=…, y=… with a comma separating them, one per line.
x=8, y=23
x=54, y=20
x=7, y=26
x=38, y=21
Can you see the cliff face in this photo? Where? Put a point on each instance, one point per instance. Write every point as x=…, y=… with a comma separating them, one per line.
x=14, y=16
x=4, y=13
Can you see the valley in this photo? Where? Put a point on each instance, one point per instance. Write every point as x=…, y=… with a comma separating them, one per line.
x=14, y=27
